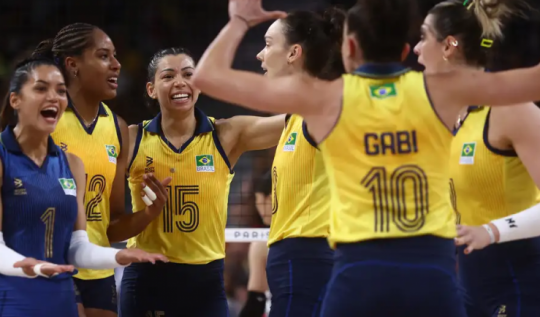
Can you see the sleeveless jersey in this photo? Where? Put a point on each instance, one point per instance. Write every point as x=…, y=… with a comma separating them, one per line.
x=191, y=227
x=486, y=183
x=387, y=159
x=300, y=192
x=98, y=147
x=39, y=207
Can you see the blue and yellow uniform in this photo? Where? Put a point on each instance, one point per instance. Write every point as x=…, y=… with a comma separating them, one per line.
x=487, y=184
x=391, y=223
x=98, y=146
x=191, y=229
x=299, y=259
x=39, y=213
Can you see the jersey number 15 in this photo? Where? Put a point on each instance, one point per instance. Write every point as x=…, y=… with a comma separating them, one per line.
x=179, y=204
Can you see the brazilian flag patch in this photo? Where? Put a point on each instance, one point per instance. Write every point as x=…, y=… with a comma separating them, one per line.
x=383, y=91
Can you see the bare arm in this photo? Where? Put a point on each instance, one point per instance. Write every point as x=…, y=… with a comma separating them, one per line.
x=76, y=166
x=473, y=87
x=249, y=133
x=290, y=94
x=258, y=254
x=123, y=225
x=521, y=125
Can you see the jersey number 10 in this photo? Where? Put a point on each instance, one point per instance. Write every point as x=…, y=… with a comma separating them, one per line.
x=390, y=196
x=179, y=204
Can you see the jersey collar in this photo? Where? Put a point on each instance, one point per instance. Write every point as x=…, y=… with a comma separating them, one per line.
x=381, y=70
x=203, y=123
x=9, y=141
x=101, y=109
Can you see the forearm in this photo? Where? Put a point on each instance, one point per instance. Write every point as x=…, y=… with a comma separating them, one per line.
x=128, y=225
x=8, y=257
x=84, y=254
x=523, y=225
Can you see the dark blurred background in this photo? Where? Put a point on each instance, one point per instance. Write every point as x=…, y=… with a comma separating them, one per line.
x=140, y=28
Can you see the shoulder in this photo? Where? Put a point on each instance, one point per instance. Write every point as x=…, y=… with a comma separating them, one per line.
x=133, y=130
x=75, y=163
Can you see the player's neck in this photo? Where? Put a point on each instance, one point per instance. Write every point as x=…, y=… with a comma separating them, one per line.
x=178, y=124
x=86, y=106
x=33, y=145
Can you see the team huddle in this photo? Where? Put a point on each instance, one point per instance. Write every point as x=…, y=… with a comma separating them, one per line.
x=375, y=165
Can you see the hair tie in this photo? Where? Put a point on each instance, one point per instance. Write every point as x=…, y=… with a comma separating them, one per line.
x=487, y=43
x=470, y=5
x=57, y=61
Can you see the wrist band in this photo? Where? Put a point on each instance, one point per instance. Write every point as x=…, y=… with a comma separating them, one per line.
x=491, y=234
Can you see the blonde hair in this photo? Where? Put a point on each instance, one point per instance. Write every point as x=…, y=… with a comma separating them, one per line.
x=490, y=15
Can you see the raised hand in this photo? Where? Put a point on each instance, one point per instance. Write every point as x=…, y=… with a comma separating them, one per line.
x=156, y=198
x=128, y=256
x=475, y=237
x=46, y=268
x=252, y=12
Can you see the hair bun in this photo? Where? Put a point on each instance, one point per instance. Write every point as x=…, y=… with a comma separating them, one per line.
x=333, y=21
x=44, y=50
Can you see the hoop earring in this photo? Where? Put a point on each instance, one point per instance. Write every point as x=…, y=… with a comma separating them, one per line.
x=445, y=58
x=455, y=43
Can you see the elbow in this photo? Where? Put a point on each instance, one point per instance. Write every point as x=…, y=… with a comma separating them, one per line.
x=198, y=79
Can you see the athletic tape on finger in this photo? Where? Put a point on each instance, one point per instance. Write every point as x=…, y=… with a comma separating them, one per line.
x=37, y=270
x=147, y=201
x=150, y=193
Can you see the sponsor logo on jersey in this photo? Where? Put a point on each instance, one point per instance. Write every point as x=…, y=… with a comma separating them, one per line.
x=148, y=168
x=19, y=187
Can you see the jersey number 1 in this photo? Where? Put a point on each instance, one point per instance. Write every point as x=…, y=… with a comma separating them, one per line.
x=48, y=219
x=390, y=195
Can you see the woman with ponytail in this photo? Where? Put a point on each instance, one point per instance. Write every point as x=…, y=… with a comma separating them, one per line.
x=89, y=129
x=305, y=44
x=42, y=218
x=494, y=166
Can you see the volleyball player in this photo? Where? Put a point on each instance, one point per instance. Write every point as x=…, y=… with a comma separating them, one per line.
x=42, y=219
x=494, y=168
x=383, y=140
x=199, y=153
x=90, y=130
x=258, y=253
x=300, y=259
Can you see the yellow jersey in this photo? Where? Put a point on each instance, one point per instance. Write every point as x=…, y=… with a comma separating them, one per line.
x=386, y=159
x=98, y=146
x=486, y=183
x=300, y=192
x=191, y=227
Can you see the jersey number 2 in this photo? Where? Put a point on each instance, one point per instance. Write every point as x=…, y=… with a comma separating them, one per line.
x=390, y=195
x=48, y=219
x=97, y=185
x=179, y=205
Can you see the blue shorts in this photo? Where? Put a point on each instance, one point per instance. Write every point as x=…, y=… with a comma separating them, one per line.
x=502, y=279
x=298, y=270
x=39, y=297
x=97, y=294
x=411, y=277
x=172, y=289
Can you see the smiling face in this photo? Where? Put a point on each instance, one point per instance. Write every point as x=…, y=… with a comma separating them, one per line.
x=41, y=100
x=172, y=83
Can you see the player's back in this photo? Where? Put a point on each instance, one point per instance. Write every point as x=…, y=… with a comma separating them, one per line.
x=39, y=212
x=98, y=146
x=392, y=222
x=387, y=162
